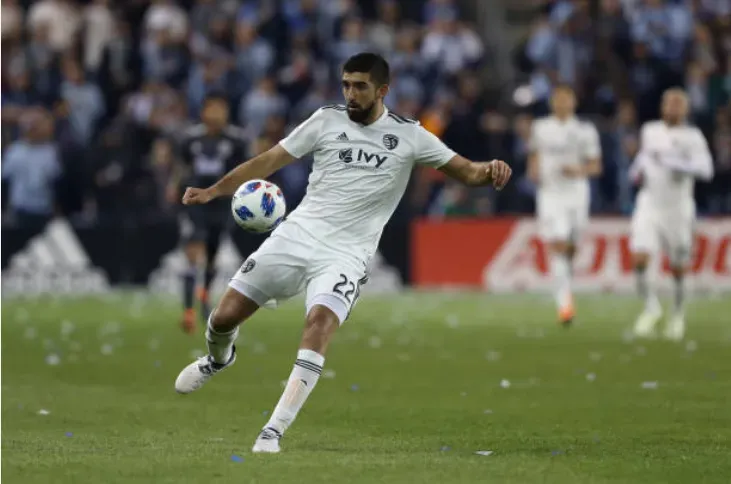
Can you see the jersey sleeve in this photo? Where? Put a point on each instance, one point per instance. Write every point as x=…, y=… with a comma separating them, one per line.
x=592, y=146
x=429, y=150
x=303, y=139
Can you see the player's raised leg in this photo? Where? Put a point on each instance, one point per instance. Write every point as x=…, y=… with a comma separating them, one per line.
x=221, y=332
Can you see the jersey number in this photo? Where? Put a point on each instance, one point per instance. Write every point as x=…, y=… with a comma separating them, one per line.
x=347, y=288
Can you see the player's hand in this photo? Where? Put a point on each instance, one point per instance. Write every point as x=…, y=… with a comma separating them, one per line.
x=197, y=196
x=499, y=173
x=572, y=171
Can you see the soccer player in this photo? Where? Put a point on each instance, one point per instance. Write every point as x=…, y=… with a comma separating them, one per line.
x=207, y=151
x=672, y=155
x=564, y=154
x=364, y=155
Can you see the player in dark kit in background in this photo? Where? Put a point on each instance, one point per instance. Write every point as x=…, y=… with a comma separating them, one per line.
x=207, y=152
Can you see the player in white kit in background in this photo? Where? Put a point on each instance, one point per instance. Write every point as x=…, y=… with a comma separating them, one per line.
x=564, y=154
x=672, y=155
x=364, y=155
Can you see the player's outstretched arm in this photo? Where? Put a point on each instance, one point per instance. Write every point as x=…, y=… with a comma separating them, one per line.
x=261, y=166
x=475, y=174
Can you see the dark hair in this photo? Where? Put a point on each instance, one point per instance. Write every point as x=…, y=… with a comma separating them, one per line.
x=373, y=64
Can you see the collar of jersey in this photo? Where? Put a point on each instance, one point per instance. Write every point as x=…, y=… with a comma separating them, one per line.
x=383, y=116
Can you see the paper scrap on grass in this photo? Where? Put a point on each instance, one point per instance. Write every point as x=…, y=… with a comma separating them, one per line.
x=505, y=383
x=649, y=385
x=590, y=377
x=53, y=359
x=43, y=411
x=484, y=452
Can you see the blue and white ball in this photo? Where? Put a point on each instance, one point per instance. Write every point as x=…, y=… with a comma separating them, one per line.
x=258, y=206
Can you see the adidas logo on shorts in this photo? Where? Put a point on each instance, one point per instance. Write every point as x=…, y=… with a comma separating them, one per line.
x=342, y=137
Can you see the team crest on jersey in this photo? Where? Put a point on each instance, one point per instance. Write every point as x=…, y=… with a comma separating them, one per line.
x=248, y=266
x=346, y=155
x=390, y=141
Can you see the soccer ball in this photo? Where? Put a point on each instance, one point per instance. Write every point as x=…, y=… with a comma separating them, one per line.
x=258, y=206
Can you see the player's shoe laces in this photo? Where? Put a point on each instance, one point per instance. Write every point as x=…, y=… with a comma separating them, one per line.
x=267, y=442
x=200, y=371
x=675, y=329
x=646, y=322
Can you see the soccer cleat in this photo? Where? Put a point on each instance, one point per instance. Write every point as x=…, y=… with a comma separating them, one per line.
x=675, y=329
x=646, y=322
x=199, y=372
x=566, y=313
x=267, y=442
x=188, y=322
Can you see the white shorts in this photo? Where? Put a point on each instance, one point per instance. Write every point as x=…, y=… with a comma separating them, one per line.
x=654, y=230
x=561, y=220
x=292, y=261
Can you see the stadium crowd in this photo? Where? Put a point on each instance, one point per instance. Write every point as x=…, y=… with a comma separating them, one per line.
x=95, y=94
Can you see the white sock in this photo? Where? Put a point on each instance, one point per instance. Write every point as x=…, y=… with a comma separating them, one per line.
x=646, y=290
x=220, y=345
x=561, y=273
x=301, y=382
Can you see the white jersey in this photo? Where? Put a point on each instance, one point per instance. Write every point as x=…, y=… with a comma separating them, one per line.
x=359, y=174
x=561, y=143
x=669, y=160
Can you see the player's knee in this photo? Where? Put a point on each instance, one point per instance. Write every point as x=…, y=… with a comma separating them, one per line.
x=320, y=325
x=230, y=312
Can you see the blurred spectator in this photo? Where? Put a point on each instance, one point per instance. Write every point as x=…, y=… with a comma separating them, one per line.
x=166, y=16
x=61, y=18
x=451, y=45
x=99, y=30
x=81, y=101
x=254, y=56
x=32, y=166
x=382, y=33
x=353, y=40
x=260, y=104
x=11, y=16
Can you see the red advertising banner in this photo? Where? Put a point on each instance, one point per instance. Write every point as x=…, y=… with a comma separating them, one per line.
x=506, y=255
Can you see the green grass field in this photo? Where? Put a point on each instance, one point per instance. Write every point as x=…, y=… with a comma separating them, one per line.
x=87, y=395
